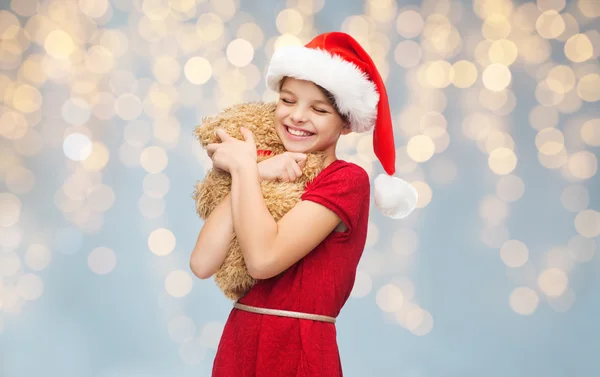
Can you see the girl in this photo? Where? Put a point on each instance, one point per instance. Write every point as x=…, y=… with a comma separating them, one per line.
x=305, y=263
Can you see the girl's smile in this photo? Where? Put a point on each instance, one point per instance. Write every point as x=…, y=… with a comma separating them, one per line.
x=306, y=120
x=294, y=133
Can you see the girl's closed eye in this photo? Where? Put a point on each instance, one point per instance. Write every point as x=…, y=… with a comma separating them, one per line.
x=321, y=111
x=289, y=102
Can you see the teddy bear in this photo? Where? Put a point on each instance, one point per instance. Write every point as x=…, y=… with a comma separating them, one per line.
x=280, y=197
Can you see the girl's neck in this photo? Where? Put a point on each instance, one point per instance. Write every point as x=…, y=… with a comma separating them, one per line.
x=329, y=159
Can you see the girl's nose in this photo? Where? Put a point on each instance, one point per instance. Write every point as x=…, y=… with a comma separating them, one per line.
x=298, y=115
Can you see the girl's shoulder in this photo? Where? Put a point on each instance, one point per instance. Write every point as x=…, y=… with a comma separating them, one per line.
x=344, y=188
x=346, y=168
x=341, y=172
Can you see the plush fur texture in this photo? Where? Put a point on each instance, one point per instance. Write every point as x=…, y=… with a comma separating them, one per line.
x=394, y=197
x=280, y=197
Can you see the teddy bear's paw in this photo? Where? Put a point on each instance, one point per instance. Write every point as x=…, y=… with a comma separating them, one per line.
x=235, y=292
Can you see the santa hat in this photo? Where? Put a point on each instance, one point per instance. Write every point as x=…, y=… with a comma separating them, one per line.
x=337, y=62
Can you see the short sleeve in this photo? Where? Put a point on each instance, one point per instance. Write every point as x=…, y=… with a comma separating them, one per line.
x=345, y=191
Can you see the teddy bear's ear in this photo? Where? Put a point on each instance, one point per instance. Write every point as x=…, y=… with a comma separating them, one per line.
x=256, y=116
x=205, y=132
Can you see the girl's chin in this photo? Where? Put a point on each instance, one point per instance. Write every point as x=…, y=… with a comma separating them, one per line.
x=292, y=147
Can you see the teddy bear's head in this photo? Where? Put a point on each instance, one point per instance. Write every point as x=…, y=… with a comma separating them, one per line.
x=258, y=117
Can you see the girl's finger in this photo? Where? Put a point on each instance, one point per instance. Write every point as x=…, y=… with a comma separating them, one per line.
x=221, y=134
x=291, y=173
x=211, y=148
x=297, y=169
x=298, y=157
x=248, y=135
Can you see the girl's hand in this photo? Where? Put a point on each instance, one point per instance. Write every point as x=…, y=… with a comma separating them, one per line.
x=232, y=153
x=286, y=167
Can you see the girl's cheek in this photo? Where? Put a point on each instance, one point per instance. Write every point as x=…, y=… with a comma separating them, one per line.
x=279, y=113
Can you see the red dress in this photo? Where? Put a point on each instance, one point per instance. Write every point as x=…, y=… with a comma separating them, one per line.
x=258, y=345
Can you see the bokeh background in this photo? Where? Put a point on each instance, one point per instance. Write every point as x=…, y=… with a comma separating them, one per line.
x=497, y=124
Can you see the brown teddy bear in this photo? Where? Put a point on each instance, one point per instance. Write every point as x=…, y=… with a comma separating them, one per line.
x=280, y=197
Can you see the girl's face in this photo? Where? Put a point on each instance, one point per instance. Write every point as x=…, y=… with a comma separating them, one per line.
x=305, y=120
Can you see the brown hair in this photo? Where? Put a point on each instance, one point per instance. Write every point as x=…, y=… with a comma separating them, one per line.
x=330, y=97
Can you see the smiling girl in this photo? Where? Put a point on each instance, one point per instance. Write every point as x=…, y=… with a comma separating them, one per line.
x=305, y=263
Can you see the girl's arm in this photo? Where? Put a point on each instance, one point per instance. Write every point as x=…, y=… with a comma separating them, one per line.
x=270, y=247
x=213, y=241
x=216, y=234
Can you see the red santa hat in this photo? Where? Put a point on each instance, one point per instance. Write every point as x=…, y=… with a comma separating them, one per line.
x=338, y=63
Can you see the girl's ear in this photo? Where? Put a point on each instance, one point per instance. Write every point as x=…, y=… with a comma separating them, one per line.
x=346, y=129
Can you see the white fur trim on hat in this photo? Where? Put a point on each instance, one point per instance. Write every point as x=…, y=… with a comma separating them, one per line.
x=394, y=197
x=355, y=94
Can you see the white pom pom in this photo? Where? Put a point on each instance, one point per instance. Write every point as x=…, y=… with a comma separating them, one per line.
x=394, y=197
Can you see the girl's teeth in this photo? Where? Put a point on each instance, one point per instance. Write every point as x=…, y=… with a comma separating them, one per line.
x=297, y=133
